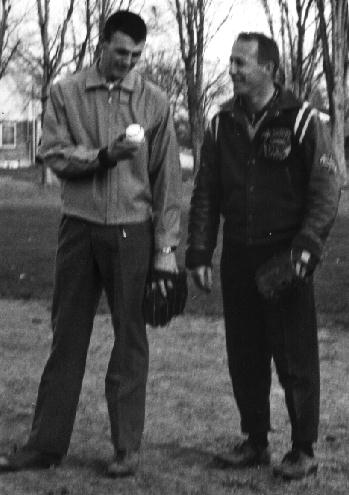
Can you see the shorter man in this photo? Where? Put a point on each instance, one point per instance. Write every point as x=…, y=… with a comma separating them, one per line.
x=268, y=169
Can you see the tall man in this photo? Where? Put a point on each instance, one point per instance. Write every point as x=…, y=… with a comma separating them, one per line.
x=267, y=168
x=121, y=214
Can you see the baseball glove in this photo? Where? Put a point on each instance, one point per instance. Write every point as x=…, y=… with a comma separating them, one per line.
x=159, y=310
x=277, y=275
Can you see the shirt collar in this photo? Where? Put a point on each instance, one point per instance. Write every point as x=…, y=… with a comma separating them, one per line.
x=255, y=117
x=96, y=80
x=286, y=100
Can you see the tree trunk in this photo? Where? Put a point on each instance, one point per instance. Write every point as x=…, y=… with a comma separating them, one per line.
x=334, y=68
x=197, y=139
x=337, y=131
x=44, y=97
x=337, y=125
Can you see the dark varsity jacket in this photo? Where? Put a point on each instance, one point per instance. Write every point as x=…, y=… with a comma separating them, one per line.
x=281, y=185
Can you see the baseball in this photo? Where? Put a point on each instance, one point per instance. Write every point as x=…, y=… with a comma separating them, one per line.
x=135, y=133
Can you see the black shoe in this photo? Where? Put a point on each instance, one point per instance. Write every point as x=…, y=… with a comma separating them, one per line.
x=124, y=464
x=296, y=465
x=26, y=458
x=245, y=454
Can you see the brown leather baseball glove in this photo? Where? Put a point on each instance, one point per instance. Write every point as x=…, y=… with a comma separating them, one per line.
x=159, y=310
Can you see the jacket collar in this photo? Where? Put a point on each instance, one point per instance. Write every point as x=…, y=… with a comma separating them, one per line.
x=285, y=101
x=96, y=80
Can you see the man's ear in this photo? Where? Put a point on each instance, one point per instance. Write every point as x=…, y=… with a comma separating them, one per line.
x=268, y=68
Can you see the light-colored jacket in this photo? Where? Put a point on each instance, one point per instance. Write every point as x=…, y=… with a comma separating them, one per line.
x=84, y=114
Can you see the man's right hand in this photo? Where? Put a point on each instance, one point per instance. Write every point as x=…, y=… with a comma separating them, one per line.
x=202, y=276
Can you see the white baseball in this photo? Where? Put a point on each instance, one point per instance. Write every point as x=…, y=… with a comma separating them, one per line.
x=135, y=133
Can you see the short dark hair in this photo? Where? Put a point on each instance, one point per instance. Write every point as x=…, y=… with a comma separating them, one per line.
x=268, y=50
x=128, y=23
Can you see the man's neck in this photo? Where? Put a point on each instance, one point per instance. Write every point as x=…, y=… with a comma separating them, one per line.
x=259, y=100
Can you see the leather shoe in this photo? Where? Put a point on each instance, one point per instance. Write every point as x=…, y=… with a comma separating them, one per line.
x=296, y=465
x=245, y=454
x=125, y=463
x=26, y=458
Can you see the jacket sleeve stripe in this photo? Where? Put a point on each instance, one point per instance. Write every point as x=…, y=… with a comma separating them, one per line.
x=305, y=126
x=299, y=116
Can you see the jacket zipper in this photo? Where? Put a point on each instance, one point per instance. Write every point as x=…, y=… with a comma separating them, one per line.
x=110, y=101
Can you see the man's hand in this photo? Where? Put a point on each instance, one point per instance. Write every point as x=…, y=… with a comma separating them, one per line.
x=303, y=263
x=167, y=263
x=202, y=276
x=122, y=149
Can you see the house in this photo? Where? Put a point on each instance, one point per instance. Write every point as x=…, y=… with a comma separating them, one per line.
x=18, y=126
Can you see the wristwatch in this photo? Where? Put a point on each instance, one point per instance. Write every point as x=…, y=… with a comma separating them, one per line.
x=166, y=250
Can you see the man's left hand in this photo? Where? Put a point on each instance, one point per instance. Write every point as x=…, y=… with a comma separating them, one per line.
x=165, y=262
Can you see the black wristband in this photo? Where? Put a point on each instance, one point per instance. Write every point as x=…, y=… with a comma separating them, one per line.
x=104, y=160
x=197, y=257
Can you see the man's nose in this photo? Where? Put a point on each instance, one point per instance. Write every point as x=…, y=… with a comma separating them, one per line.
x=127, y=58
x=232, y=68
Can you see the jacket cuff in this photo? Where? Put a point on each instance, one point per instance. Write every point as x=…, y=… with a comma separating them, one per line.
x=195, y=258
x=304, y=242
x=104, y=160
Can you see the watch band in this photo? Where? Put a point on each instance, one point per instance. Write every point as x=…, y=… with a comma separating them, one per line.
x=165, y=250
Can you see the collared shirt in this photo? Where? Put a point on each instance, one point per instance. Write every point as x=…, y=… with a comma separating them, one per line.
x=83, y=115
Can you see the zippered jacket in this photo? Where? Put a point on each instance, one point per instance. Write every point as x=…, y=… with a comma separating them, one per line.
x=85, y=114
x=282, y=184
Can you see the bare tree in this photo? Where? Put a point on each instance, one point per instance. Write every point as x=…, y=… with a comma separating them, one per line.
x=52, y=46
x=269, y=16
x=9, y=41
x=299, y=64
x=81, y=49
x=166, y=70
x=52, y=52
x=335, y=61
x=195, y=32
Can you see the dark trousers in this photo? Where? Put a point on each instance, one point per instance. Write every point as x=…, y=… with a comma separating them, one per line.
x=256, y=332
x=91, y=257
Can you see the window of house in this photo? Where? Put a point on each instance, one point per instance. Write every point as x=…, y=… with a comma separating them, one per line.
x=8, y=134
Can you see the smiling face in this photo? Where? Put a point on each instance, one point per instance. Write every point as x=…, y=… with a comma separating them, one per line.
x=247, y=74
x=119, y=56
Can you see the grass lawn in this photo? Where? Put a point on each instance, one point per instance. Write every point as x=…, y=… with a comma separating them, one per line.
x=191, y=414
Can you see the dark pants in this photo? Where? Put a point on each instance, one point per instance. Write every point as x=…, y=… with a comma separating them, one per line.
x=256, y=332
x=91, y=257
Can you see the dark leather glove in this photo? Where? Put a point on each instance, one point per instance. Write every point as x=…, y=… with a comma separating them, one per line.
x=159, y=310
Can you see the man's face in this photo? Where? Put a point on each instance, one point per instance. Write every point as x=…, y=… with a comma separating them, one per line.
x=247, y=74
x=120, y=55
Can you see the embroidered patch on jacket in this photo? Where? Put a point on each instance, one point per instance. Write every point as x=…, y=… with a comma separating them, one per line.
x=328, y=162
x=277, y=143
